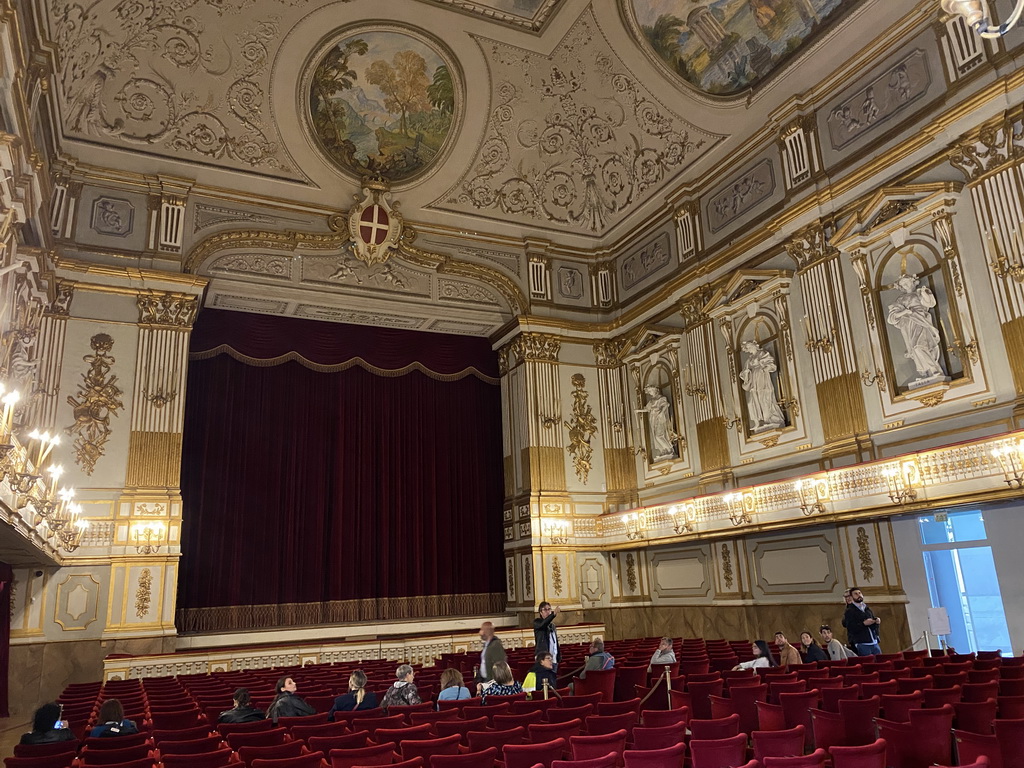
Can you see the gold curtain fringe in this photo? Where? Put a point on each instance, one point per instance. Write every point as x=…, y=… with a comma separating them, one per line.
x=267, y=362
x=231, y=618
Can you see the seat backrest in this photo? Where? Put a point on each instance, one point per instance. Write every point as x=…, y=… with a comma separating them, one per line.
x=446, y=745
x=660, y=737
x=587, y=747
x=43, y=750
x=377, y=754
x=539, y=732
x=814, y=760
x=216, y=759
x=598, y=724
x=562, y=714
x=714, y=753
x=191, y=746
x=657, y=718
x=273, y=752
x=311, y=760
x=413, y=732
x=529, y=755
x=114, y=756
x=59, y=760
x=608, y=761
x=257, y=738
x=864, y=756
x=480, y=740
x=786, y=743
x=715, y=728
x=670, y=757
x=343, y=741
x=482, y=759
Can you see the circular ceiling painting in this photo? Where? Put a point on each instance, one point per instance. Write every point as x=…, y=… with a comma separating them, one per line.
x=383, y=102
x=726, y=46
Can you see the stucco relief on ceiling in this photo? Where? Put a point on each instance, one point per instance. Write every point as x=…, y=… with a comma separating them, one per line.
x=531, y=14
x=726, y=46
x=383, y=102
x=184, y=78
x=573, y=139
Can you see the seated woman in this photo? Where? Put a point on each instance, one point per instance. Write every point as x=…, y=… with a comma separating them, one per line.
x=47, y=727
x=356, y=698
x=502, y=685
x=762, y=657
x=811, y=650
x=243, y=711
x=543, y=670
x=286, y=703
x=111, y=721
x=403, y=692
x=453, y=686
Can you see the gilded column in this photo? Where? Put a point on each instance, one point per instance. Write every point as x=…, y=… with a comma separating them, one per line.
x=829, y=342
x=52, y=329
x=620, y=467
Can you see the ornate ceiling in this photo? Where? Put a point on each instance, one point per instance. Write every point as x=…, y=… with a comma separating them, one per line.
x=513, y=118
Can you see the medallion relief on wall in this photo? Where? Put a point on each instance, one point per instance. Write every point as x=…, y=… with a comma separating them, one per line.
x=573, y=138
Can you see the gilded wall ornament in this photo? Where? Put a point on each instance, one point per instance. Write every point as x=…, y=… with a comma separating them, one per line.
x=993, y=145
x=144, y=593
x=556, y=575
x=98, y=399
x=374, y=224
x=61, y=305
x=727, y=566
x=867, y=566
x=631, y=572
x=174, y=309
x=582, y=428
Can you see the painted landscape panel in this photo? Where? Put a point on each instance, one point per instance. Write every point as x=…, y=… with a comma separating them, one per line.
x=381, y=103
x=726, y=46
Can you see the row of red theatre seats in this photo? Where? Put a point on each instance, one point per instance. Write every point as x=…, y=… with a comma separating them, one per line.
x=922, y=742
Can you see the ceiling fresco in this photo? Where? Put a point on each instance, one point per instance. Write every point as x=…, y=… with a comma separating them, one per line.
x=531, y=14
x=574, y=138
x=723, y=47
x=382, y=102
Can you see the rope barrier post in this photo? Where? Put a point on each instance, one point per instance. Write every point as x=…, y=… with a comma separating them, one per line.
x=547, y=688
x=668, y=684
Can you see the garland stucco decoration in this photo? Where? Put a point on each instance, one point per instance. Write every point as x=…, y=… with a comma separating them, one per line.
x=582, y=428
x=867, y=566
x=144, y=593
x=98, y=398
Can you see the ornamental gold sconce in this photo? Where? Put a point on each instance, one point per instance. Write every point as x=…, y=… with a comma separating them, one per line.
x=1011, y=461
x=684, y=517
x=636, y=525
x=741, y=507
x=814, y=492
x=557, y=531
x=66, y=523
x=148, y=537
x=903, y=480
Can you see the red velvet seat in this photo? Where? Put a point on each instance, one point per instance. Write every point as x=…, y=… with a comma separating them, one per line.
x=446, y=745
x=192, y=746
x=481, y=740
x=627, y=678
x=159, y=736
x=274, y=752
x=621, y=707
x=770, y=717
x=660, y=737
x=744, y=701
x=789, y=686
x=608, y=761
x=378, y=754
x=597, y=681
x=256, y=738
x=225, y=729
x=114, y=742
x=829, y=729
x=670, y=757
x=864, y=756
x=658, y=718
x=407, y=710
x=970, y=747
x=371, y=724
x=419, y=718
x=505, y=721
x=483, y=759
x=538, y=732
x=867, y=690
x=598, y=724
x=541, y=705
x=589, y=747
x=528, y=755
x=343, y=741
x=982, y=762
x=113, y=756
x=320, y=729
x=897, y=706
x=936, y=697
x=564, y=714
x=59, y=760
x=461, y=727
x=488, y=711
x=147, y=762
x=1010, y=735
x=923, y=741
x=699, y=695
x=718, y=753
x=860, y=720
x=788, y=743
x=582, y=699
x=359, y=714
x=975, y=716
x=291, y=722
x=186, y=718
x=44, y=750
x=412, y=733
x=814, y=760
x=830, y=697
x=716, y=728
x=217, y=759
x=909, y=685
x=310, y=760
x=979, y=691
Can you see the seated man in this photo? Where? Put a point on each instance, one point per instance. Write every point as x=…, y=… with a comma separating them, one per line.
x=598, y=658
x=788, y=655
x=664, y=655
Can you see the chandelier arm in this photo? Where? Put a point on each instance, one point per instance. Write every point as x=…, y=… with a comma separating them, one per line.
x=986, y=29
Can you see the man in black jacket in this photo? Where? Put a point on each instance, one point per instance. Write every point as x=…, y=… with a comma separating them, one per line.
x=862, y=625
x=545, y=637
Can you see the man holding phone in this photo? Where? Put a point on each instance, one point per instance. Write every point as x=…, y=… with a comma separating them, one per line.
x=48, y=726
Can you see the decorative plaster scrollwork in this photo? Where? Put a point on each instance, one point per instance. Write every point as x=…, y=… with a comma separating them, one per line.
x=809, y=245
x=867, y=566
x=993, y=145
x=61, y=304
x=582, y=428
x=144, y=593
x=537, y=347
x=174, y=309
x=559, y=149
x=608, y=353
x=631, y=572
x=98, y=399
x=556, y=575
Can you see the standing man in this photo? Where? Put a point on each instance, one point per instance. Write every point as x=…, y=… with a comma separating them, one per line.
x=545, y=638
x=862, y=625
x=493, y=652
x=846, y=602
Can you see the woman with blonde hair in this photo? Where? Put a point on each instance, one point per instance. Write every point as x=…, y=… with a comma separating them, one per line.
x=453, y=686
x=502, y=685
x=356, y=698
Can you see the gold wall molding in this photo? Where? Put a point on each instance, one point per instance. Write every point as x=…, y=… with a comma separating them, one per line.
x=842, y=410
x=160, y=308
x=713, y=444
x=143, y=593
x=154, y=460
x=545, y=468
x=1013, y=344
x=98, y=399
x=527, y=346
x=582, y=428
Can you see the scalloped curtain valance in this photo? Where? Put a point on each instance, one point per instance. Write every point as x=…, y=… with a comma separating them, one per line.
x=263, y=340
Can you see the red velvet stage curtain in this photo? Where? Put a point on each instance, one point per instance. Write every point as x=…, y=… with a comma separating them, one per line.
x=316, y=496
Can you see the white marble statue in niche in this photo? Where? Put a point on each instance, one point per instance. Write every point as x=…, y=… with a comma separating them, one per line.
x=911, y=314
x=659, y=417
x=756, y=380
